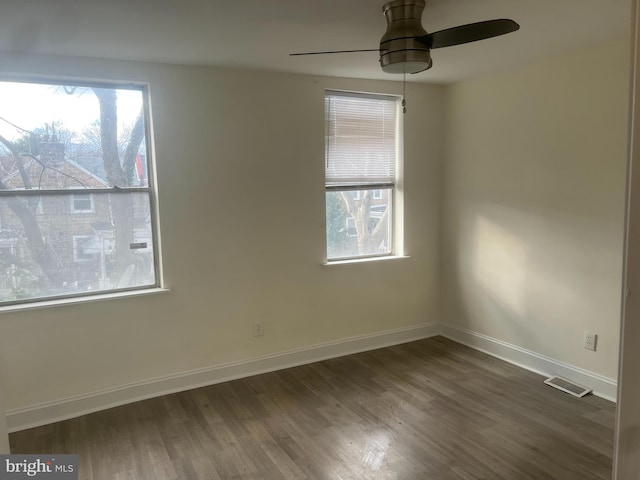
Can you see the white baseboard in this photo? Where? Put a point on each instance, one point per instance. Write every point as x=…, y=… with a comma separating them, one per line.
x=63, y=409
x=602, y=386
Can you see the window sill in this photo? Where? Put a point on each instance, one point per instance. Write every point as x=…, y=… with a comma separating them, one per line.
x=332, y=263
x=80, y=300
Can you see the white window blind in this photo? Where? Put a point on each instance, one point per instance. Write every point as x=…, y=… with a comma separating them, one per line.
x=360, y=139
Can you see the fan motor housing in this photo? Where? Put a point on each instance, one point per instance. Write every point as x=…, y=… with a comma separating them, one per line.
x=400, y=50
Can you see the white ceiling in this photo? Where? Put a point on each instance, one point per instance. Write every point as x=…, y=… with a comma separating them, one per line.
x=261, y=33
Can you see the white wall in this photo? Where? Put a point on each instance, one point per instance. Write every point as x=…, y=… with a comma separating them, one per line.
x=533, y=188
x=240, y=159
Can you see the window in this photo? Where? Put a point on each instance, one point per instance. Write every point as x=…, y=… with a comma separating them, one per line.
x=73, y=150
x=81, y=203
x=361, y=134
x=84, y=248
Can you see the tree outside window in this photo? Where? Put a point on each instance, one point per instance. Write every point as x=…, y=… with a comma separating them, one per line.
x=75, y=196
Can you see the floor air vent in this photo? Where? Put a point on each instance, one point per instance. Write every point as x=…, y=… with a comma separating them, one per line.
x=567, y=386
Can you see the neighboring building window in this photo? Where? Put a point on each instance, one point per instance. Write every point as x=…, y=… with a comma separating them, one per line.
x=82, y=203
x=361, y=133
x=68, y=150
x=84, y=248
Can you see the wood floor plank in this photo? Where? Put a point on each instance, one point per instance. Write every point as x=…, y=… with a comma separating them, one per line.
x=431, y=409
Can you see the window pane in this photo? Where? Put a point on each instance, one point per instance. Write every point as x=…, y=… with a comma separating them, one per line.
x=358, y=223
x=89, y=141
x=63, y=136
x=61, y=253
x=82, y=202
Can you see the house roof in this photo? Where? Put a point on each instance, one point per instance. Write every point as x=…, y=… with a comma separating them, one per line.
x=62, y=175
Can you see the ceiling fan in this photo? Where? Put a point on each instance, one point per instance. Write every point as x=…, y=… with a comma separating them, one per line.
x=406, y=46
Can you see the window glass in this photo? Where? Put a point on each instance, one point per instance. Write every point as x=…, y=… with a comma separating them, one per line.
x=358, y=227
x=82, y=202
x=360, y=174
x=75, y=198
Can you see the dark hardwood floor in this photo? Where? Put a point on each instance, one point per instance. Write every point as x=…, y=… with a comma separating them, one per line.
x=431, y=409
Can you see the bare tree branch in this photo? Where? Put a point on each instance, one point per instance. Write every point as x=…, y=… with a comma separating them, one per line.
x=109, y=136
x=41, y=254
x=122, y=210
x=137, y=135
x=380, y=232
x=44, y=167
x=16, y=155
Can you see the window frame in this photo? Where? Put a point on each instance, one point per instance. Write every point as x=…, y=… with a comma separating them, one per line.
x=74, y=210
x=395, y=227
x=76, y=247
x=150, y=190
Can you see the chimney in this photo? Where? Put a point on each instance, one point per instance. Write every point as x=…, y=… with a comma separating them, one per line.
x=51, y=151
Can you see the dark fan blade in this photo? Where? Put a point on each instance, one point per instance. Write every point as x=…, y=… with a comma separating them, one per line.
x=469, y=33
x=335, y=51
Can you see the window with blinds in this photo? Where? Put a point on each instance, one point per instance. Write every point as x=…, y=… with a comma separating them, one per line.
x=361, y=143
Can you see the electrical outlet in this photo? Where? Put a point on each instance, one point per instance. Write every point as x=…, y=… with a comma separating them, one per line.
x=258, y=329
x=590, y=340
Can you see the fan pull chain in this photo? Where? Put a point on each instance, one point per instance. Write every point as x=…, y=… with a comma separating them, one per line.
x=404, y=91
